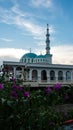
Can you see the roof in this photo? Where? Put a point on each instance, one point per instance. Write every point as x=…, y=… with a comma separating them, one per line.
x=29, y=55
x=41, y=56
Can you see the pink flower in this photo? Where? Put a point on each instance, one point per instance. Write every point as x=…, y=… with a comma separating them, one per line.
x=26, y=94
x=14, y=94
x=1, y=86
x=13, y=79
x=14, y=86
x=57, y=86
x=20, y=87
x=47, y=90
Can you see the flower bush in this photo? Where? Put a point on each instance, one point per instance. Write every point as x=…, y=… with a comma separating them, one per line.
x=24, y=108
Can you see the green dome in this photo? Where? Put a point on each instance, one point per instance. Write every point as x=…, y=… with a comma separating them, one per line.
x=29, y=55
x=40, y=56
x=47, y=55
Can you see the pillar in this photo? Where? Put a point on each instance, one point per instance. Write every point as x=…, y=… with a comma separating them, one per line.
x=48, y=75
x=14, y=71
x=64, y=76
x=30, y=74
x=39, y=75
x=56, y=75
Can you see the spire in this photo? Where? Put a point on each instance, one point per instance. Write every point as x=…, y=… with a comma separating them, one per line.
x=47, y=41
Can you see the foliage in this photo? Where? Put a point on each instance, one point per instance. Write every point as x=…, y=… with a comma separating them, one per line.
x=22, y=108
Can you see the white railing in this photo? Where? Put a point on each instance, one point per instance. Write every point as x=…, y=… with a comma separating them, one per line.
x=44, y=83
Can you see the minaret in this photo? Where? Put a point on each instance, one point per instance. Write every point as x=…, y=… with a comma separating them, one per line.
x=47, y=41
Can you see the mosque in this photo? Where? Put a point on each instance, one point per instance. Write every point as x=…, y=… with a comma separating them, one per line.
x=38, y=70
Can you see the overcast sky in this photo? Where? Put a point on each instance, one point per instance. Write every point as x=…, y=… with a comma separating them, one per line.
x=23, y=26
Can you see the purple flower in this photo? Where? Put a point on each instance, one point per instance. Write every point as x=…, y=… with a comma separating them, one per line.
x=14, y=86
x=48, y=90
x=57, y=86
x=1, y=86
x=8, y=68
x=26, y=94
x=14, y=94
x=20, y=87
x=13, y=79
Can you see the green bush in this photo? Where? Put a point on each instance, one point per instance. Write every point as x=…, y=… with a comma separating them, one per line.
x=22, y=108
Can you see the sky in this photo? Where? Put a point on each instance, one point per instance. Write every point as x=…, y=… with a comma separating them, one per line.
x=23, y=26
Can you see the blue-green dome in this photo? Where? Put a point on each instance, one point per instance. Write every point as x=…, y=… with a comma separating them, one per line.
x=29, y=55
x=40, y=56
x=47, y=55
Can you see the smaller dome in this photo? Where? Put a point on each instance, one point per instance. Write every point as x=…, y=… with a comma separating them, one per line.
x=47, y=55
x=29, y=55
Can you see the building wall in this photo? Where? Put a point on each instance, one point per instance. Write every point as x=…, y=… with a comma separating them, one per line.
x=43, y=74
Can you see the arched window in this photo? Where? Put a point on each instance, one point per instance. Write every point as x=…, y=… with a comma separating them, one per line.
x=60, y=75
x=18, y=68
x=32, y=60
x=43, y=75
x=34, y=75
x=52, y=75
x=68, y=75
x=28, y=60
x=25, y=60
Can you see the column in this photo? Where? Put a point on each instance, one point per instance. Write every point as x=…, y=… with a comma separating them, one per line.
x=22, y=73
x=39, y=75
x=14, y=71
x=72, y=76
x=64, y=76
x=30, y=75
x=48, y=76
x=56, y=75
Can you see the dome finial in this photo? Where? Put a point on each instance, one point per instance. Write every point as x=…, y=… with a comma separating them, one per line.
x=47, y=26
x=30, y=50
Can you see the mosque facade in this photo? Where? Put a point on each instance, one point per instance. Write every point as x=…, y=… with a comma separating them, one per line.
x=39, y=68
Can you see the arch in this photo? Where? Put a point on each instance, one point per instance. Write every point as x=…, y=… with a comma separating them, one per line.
x=43, y=75
x=28, y=60
x=34, y=75
x=52, y=75
x=68, y=75
x=32, y=60
x=60, y=75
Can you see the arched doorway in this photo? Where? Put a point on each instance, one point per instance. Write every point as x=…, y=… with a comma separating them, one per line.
x=43, y=75
x=68, y=75
x=60, y=75
x=52, y=75
x=34, y=75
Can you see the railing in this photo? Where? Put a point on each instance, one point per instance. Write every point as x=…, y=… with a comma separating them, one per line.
x=44, y=83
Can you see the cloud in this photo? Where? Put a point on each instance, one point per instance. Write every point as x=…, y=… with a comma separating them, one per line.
x=12, y=52
x=15, y=16
x=43, y=3
x=61, y=54
x=6, y=39
x=41, y=44
x=8, y=58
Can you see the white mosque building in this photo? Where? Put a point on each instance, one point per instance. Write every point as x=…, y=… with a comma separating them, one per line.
x=38, y=69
